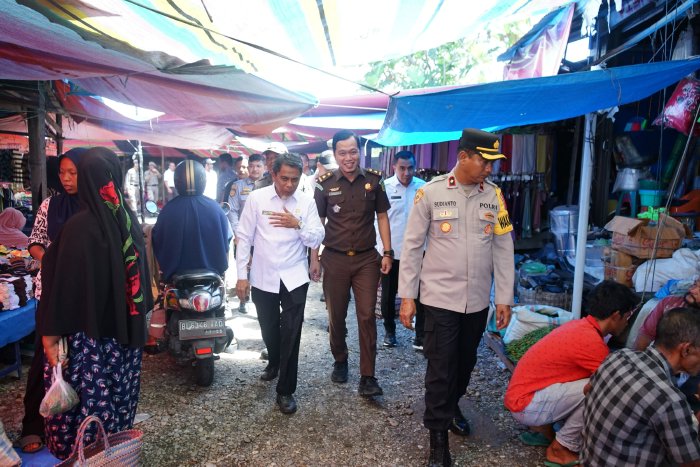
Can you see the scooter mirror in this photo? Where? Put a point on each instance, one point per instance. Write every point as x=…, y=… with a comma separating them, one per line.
x=226, y=207
x=151, y=207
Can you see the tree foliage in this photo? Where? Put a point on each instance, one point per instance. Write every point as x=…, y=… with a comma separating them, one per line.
x=448, y=64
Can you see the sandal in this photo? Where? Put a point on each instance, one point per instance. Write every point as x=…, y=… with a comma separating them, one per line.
x=533, y=438
x=568, y=464
x=30, y=444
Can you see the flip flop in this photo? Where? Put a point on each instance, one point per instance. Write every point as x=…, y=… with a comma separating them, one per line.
x=30, y=444
x=568, y=464
x=533, y=438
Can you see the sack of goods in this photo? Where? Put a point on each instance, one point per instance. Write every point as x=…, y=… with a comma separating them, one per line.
x=527, y=318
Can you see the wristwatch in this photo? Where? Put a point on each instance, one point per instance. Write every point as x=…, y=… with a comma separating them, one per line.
x=389, y=253
x=300, y=225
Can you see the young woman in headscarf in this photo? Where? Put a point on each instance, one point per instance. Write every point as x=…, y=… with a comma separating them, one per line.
x=53, y=212
x=96, y=294
x=11, y=223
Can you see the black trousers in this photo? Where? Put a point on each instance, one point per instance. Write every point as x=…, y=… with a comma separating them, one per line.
x=33, y=422
x=450, y=344
x=390, y=287
x=419, y=326
x=281, y=331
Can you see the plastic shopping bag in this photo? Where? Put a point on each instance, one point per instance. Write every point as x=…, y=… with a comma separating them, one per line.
x=61, y=397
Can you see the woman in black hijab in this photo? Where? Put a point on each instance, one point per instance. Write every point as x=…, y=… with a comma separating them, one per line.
x=96, y=293
x=54, y=211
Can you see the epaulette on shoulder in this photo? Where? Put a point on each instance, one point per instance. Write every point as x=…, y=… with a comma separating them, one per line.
x=376, y=172
x=490, y=182
x=324, y=177
x=436, y=179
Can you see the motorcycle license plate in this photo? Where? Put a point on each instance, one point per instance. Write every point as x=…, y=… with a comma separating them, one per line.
x=202, y=328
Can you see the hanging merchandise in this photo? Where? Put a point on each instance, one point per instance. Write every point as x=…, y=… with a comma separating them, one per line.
x=673, y=159
x=637, y=148
x=680, y=108
x=6, y=165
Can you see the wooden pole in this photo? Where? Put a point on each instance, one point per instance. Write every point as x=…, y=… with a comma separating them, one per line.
x=59, y=136
x=37, y=148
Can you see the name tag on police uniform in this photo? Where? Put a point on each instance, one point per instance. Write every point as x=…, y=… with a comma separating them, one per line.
x=446, y=213
x=445, y=222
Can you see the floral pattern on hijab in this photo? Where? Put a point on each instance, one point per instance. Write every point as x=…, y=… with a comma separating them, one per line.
x=113, y=199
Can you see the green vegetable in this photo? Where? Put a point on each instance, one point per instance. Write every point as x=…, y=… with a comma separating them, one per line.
x=517, y=348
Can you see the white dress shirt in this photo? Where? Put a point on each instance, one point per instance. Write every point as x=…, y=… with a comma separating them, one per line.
x=401, y=199
x=169, y=178
x=210, y=187
x=280, y=252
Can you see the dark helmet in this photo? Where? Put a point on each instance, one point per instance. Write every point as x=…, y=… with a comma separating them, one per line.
x=190, y=178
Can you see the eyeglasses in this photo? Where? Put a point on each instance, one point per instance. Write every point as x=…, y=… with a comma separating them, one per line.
x=352, y=152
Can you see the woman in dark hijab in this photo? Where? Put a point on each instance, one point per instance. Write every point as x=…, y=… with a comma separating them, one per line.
x=54, y=211
x=96, y=294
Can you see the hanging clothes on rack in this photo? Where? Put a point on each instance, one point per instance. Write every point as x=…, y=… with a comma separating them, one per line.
x=527, y=210
x=539, y=201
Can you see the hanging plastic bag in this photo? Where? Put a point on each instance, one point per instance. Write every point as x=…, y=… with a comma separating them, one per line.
x=680, y=108
x=61, y=397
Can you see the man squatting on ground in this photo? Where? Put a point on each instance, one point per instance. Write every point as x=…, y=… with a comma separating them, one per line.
x=547, y=384
x=634, y=413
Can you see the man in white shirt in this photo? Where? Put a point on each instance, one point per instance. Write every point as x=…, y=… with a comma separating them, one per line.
x=401, y=189
x=169, y=182
x=212, y=179
x=280, y=222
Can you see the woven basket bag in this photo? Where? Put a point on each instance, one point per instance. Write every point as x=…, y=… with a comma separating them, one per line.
x=116, y=449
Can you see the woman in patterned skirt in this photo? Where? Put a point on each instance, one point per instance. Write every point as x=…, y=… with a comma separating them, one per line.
x=95, y=294
x=54, y=211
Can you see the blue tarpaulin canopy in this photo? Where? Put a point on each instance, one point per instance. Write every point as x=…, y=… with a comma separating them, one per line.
x=441, y=116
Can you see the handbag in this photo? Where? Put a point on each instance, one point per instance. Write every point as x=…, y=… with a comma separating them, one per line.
x=117, y=449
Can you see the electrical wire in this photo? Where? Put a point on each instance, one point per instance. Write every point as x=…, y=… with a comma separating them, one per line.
x=672, y=189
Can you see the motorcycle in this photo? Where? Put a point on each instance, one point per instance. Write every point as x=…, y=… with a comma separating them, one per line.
x=195, y=320
x=189, y=317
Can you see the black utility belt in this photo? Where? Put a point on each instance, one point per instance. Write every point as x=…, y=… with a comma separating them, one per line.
x=348, y=252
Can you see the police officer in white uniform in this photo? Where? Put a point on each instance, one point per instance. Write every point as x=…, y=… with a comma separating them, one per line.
x=401, y=189
x=238, y=192
x=464, y=219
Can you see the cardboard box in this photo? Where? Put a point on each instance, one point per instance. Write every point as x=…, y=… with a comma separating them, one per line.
x=619, y=266
x=620, y=274
x=636, y=237
x=619, y=258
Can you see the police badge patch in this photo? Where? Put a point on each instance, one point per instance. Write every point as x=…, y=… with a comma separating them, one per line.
x=419, y=195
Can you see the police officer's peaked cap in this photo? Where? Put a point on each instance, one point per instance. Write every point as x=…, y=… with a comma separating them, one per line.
x=482, y=142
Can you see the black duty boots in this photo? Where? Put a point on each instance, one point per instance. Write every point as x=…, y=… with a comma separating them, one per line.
x=439, y=449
